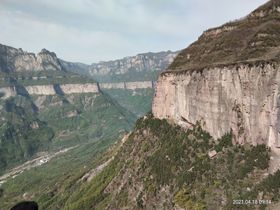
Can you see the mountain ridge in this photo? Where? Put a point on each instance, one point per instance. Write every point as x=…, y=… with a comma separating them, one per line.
x=221, y=46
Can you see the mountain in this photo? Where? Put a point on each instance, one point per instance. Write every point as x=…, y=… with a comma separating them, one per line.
x=211, y=139
x=142, y=67
x=229, y=80
x=129, y=81
x=15, y=60
x=44, y=107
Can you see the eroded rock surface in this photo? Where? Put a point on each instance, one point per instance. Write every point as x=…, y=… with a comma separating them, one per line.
x=244, y=99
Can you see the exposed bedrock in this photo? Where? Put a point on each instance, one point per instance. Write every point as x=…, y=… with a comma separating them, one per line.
x=242, y=98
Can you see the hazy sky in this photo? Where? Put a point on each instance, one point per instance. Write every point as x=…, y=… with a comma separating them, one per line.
x=93, y=30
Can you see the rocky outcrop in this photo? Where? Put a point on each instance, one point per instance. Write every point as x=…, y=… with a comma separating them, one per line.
x=46, y=90
x=139, y=85
x=128, y=85
x=243, y=98
x=227, y=84
x=16, y=60
x=116, y=85
x=79, y=88
x=40, y=90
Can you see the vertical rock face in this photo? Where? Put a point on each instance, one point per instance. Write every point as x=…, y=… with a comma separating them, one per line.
x=79, y=88
x=40, y=90
x=12, y=59
x=229, y=80
x=128, y=85
x=244, y=99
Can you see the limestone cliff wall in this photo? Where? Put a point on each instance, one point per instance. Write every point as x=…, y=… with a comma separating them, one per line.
x=117, y=85
x=40, y=90
x=243, y=98
x=127, y=85
x=139, y=85
x=45, y=90
x=79, y=88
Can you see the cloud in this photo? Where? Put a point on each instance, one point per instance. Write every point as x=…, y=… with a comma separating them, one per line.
x=93, y=30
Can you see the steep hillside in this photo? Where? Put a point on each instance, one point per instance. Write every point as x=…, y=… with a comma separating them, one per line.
x=44, y=107
x=210, y=143
x=228, y=79
x=162, y=166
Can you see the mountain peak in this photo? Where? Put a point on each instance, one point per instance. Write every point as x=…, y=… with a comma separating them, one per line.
x=44, y=51
x=12, y=59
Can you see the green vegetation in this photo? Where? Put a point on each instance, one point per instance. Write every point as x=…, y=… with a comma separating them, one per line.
x=30, y=124
x=131, y=76
x=158, y=165
x=51, y=184
x=60, y=122
x=18, y=140
x=158, y=155
x=138, y=102
x=42, y=78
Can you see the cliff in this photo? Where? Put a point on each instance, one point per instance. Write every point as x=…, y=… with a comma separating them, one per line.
x=229, y=80
x=128, y=85
x=12, y=59
x=64, y=88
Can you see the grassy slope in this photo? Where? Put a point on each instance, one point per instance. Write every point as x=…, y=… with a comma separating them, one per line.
x=97, y=124
x=161, y=165
x=50, y=183
x=138, y=102
x=18, y=141
x=95, y=117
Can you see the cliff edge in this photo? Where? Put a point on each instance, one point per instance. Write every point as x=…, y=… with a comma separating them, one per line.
x=228, y=80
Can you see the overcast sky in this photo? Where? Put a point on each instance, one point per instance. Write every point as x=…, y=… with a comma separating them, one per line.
x=93, y=30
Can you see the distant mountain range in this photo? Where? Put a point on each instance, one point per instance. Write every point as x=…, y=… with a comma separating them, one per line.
x=130, y=81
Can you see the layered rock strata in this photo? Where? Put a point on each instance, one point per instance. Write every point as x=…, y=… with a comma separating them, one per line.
x=52, y=90
x=12, y=59
x=243, y=99
x=228, y=80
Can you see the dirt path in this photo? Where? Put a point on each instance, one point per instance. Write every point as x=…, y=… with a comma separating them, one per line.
x=44, y=158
